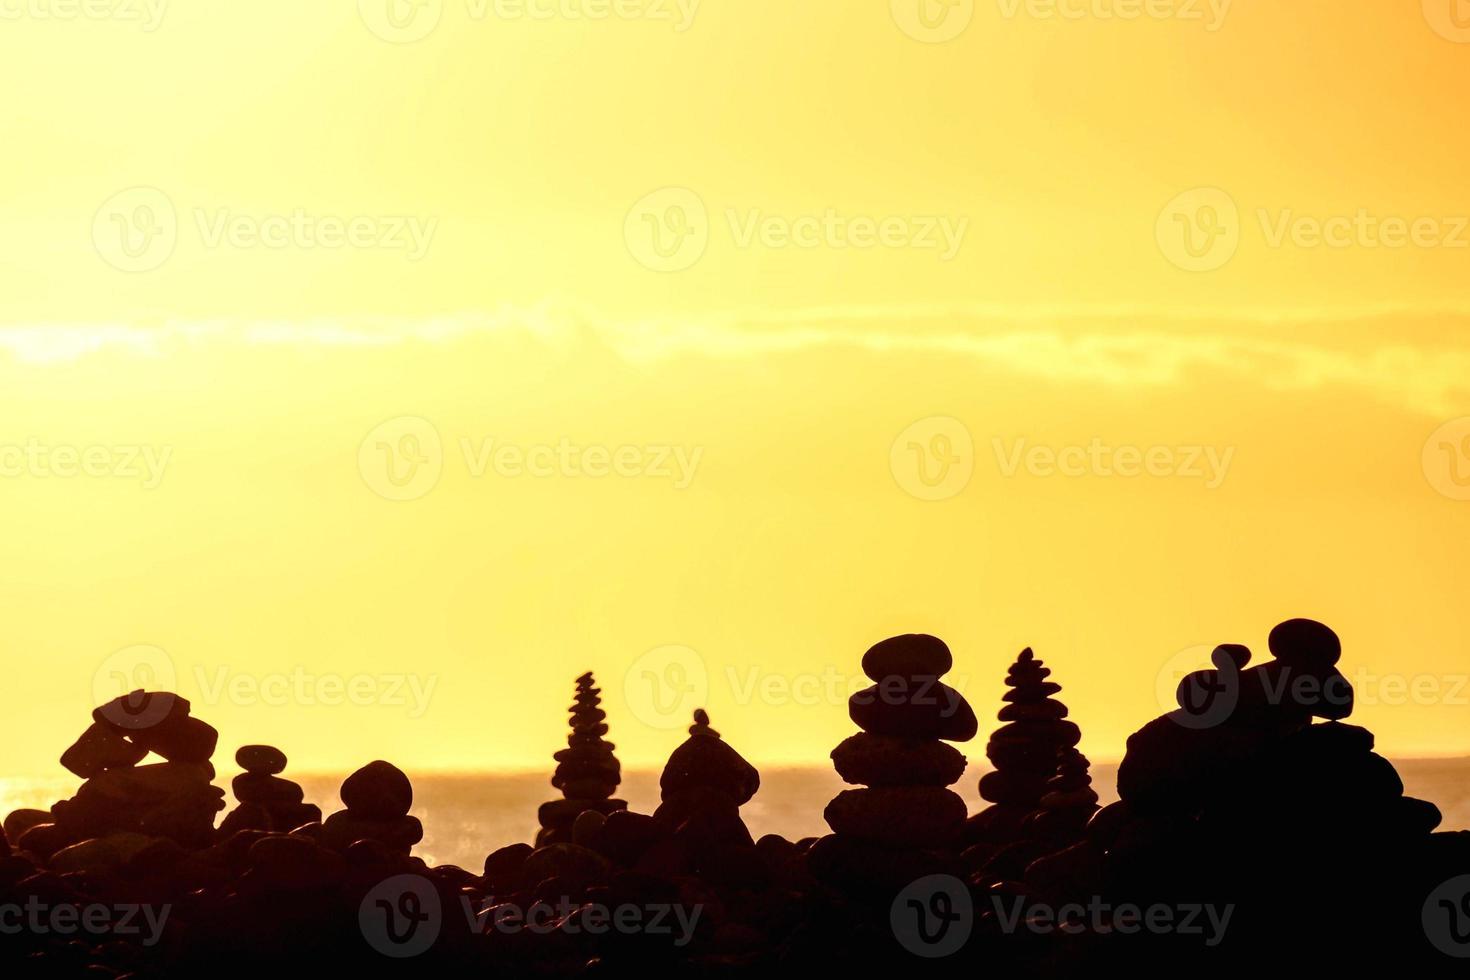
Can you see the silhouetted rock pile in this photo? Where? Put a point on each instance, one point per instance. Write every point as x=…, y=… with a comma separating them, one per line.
x=703, y=787
x=1027, y=752
x=906, y=818
x=587, y=772
x=1238, y=799
x=378, y=797
x=266, y=801
x=173, y=800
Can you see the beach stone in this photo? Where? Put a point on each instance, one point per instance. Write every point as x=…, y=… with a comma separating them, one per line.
x=19, y=821
x=378, y=791
x=1305, y=643
x=570, y=862
x=906, y=708
x=909, y=655
x=140, y=710
x=266, y=790
x=294, y=863
x=100, y=854
x=179, y=738
x=882, y=760
x=898, y=816
x=503, y=867
x=43, y=840
x=1009, y=787
x=345, y=827
x=266, y=759
x=100, y=748
x=706, y=762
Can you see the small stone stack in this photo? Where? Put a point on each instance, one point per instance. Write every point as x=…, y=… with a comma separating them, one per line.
x=1068, y=803
x=882, y=832
x=1025, y=752
x=267, y=802
x=587, y=772
x=172, y=799
x=377, y=797
x=703, y=787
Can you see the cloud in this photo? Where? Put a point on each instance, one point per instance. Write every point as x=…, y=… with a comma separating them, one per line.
x=1410, y=359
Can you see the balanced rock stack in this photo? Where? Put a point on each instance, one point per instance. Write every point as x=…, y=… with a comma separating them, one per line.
x=901, y=758
x=377, y=797
x=1068, y=803
x=587, y=772
x=173, y=799
x=1246, y=800
x=1025, y=752
x=703, y=786
x=267, y=802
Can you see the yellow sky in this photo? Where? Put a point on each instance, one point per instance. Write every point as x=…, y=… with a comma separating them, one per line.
x=767, y=267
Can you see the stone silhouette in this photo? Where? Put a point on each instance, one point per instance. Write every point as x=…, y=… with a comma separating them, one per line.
x=266, y=800
x=1034, y=758
x=703, y=786
x=905, y=819
x=587, y=772
x=377, y=798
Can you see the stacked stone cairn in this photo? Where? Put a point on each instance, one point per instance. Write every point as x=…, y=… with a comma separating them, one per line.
x=1238, y=798
x=377, y=797
x=1040, y=784
x=587, y=772
x=906, y=821
x=266, y=801
x=139, y=804
x=703, y=786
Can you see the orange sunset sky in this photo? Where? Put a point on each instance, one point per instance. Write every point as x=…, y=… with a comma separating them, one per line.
x=368, y=370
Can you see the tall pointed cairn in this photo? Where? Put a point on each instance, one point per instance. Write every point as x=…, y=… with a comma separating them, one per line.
x=1040, y=786
x=587, y=772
